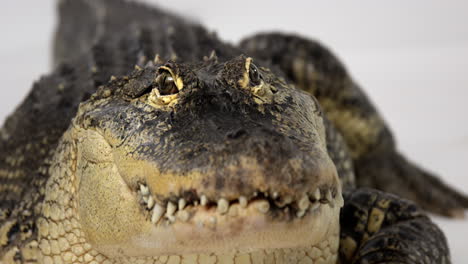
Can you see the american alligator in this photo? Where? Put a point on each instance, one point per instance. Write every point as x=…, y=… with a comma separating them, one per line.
x=152, y=141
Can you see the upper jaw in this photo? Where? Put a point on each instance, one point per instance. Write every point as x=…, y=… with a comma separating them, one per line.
x=281, y=192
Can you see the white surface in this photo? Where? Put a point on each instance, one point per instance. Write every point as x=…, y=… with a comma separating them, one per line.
x=410, y=56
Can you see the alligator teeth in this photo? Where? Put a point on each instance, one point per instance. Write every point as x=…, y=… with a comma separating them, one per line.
x=203, y=200
x=182, y=203
x=300, y=213
x=330, y=199
x=284, y=201
x=263, y=206
x=328, y=196
x=158, y=212
x=150, y=202
x=175, y=211
x=304, y=203
x=171, y=208
x=340, y=200
x=243, y=201
x=314, y=206
x=223, y=206
x=275, y=195
x=171, y=218
x=316, y=194
x=144, y=190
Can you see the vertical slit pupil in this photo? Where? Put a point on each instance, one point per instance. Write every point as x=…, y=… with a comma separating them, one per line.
x=254, y=75
x=167, y=85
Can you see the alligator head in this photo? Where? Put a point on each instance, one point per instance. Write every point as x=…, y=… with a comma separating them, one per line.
x=203, y=158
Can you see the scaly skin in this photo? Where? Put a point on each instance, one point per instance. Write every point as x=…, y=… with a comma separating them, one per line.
x=204, y=155
x=373, y=150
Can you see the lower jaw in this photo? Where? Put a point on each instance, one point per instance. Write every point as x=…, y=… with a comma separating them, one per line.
x=312, y=239
x=324, y=252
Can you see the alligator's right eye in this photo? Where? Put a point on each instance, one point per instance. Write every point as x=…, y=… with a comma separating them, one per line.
x=166, y=84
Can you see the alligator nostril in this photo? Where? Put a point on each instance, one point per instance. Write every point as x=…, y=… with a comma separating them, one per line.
x=236, y=134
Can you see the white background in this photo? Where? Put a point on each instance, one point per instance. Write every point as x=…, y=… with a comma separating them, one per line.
x=410, y=56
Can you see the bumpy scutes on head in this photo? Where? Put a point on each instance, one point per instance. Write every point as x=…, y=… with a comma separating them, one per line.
x=221, y=156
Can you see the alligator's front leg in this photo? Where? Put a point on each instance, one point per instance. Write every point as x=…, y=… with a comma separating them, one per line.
x=378, y=227
x=377, y=163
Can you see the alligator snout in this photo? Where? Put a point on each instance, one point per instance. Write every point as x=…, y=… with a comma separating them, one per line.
x=263, y=160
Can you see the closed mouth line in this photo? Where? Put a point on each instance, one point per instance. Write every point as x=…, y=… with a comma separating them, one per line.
x=272, y=203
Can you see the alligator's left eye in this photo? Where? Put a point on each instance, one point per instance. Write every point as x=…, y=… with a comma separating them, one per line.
x=166, y=84
x=254, y=75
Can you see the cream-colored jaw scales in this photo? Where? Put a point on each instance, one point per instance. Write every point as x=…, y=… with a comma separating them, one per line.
x=109, y=225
